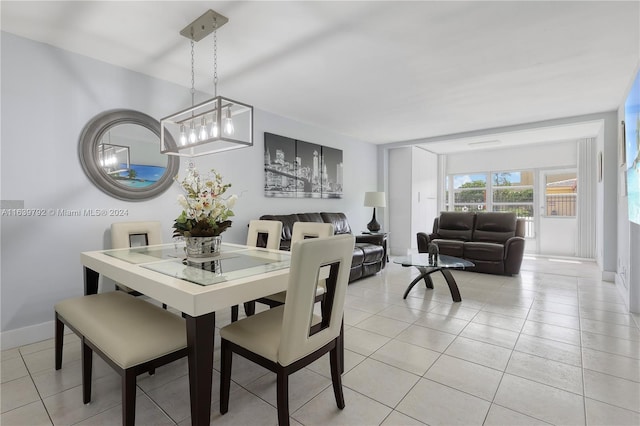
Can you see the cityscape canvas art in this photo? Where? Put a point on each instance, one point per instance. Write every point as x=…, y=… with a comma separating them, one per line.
x=300, y=169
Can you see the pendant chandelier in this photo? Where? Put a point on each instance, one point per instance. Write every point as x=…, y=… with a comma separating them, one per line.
x=219, y=124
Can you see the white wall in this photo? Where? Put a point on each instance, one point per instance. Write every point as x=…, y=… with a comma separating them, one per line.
x=48, y=95
x=551, y=155
x=424, y=192
x=634, y=267
x=399, y=209
x=413, y=196
x=607, y=196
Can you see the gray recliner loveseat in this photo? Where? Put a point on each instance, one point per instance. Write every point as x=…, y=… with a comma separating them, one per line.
x=493, y=241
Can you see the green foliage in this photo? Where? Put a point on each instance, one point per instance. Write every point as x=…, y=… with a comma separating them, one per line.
x=474, y=196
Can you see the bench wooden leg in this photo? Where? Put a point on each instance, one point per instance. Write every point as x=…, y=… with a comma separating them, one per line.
x=87, y=364
x=129, y=397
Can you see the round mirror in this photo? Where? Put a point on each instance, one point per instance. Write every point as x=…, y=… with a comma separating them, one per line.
x=120, y=153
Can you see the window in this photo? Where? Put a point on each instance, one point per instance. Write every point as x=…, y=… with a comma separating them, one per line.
x=513, y=192
x=508, y=192
x=469, y=192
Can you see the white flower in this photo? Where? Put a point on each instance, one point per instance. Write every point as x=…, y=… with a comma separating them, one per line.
x=182, y=200
x=202, y=200
x=232, y=201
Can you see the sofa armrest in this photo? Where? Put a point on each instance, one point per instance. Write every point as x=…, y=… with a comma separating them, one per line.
x=513, y=253
x=424, y=240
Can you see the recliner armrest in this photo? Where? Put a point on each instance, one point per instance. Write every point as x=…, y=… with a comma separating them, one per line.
x=513, y=254
x=424, y=240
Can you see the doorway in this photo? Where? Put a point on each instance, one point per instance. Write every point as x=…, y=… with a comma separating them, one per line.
x=557, y=221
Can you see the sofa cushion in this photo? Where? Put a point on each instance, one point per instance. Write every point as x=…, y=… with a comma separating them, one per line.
x=494, y=227
x=287, y=223
x=339, y=222
x=456, y=225
x=368, y=253
x=450, y=247
x=358, y=256
x=483, y=251
x=309, y=217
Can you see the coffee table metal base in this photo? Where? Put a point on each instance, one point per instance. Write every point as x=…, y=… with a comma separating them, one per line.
x=425, y=273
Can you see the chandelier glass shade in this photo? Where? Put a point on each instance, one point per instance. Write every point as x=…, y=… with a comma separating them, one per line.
x=216, y=125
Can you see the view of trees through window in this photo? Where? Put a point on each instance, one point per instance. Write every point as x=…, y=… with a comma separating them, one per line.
x=496, y=191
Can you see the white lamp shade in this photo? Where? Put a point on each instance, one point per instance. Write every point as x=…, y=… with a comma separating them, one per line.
x=374, y=199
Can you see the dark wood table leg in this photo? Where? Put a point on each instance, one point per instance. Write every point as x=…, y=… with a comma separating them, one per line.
x=453, y=286
x=90, y=281
x=200, y=332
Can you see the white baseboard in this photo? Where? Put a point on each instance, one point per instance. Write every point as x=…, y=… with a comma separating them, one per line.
x=622, y=290
x=27, y=335
x=609, y=276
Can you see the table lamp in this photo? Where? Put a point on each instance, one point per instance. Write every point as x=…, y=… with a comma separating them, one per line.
x=374, y=199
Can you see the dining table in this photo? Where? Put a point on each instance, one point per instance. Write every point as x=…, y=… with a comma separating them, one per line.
x=197, y=288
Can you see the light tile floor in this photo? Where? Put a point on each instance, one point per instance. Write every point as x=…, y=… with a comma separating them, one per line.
x=553, y=345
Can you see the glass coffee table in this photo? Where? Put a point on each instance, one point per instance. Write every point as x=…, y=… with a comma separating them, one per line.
x=444, y=264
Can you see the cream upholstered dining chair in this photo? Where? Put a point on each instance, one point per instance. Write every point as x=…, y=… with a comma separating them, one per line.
x=302, y=231
x=132, y=234
x=287, y=338
x=273, y=231
x=272, y=228
x=135, y=234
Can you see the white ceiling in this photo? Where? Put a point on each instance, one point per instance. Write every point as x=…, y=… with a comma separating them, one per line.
x=379, y=71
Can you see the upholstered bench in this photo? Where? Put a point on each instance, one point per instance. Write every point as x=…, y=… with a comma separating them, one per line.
x=133, y=336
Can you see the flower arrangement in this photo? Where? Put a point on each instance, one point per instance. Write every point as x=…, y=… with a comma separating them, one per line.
x=206, y=211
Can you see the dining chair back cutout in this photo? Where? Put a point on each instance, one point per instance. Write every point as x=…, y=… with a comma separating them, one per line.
x=305, y=230
x=272, y=228
x=287, y=338
x=132, y=234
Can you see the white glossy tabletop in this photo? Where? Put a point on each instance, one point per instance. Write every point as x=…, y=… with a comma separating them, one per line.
x=239, y=274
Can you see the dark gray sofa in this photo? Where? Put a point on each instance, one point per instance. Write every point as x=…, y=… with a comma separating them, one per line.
x=493, y=241
x=369, y=253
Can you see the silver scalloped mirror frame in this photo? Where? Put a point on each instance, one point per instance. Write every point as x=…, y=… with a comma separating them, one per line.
x=93, y=133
